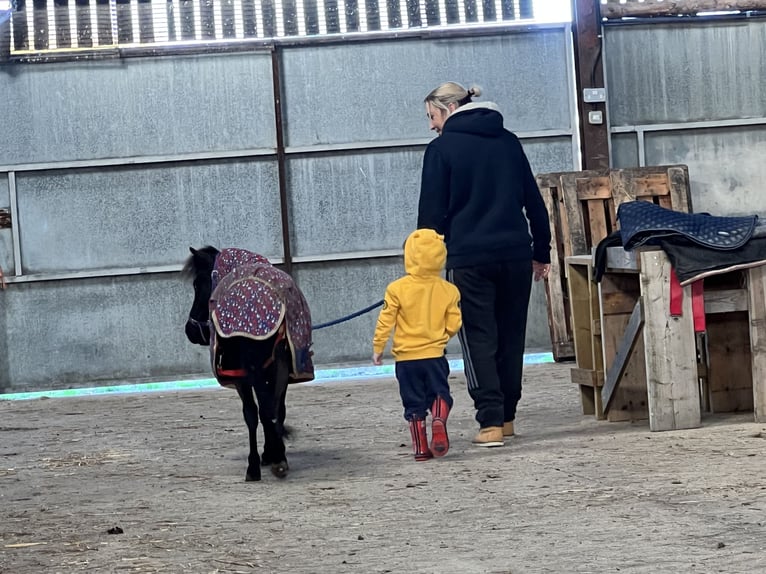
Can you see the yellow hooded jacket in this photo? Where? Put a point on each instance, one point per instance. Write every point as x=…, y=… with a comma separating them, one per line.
x=421, y=307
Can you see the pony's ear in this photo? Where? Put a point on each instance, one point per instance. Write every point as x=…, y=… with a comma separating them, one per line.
x=192, y=251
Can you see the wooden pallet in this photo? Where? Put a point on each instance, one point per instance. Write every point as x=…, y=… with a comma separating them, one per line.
x=582, y=210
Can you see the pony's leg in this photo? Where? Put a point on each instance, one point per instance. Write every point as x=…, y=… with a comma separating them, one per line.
x=274, y=449
x=250, y=412
x=277, y=376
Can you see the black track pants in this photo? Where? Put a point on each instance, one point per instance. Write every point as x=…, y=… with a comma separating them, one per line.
x=494, y=300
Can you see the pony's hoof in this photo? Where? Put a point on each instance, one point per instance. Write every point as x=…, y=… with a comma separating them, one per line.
x=279, y=469
x=252, y=477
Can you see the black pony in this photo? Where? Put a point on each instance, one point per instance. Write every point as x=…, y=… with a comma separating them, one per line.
x=258, y=326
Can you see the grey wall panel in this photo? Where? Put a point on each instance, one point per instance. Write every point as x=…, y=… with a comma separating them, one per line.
x=624, y=150
x=374, y=91
x=5, y=358
x=548, y=155
x=5, y=199
x=676, y=73
x=73, y=334
x=538, y=333
x=145, y=215
x=6, y=237
x=368, y=201
x=6, y=253
x=726, y=166
x=353, y=202
x=136, y=107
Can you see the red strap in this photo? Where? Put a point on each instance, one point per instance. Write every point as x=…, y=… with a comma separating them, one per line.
x=698, y=306
x=232, y=372
x=698, y=301
x=676, y=295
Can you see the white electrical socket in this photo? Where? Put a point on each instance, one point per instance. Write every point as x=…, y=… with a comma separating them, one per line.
x=596, y=117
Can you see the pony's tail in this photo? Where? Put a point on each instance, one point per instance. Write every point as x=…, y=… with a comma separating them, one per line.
x=285, y=431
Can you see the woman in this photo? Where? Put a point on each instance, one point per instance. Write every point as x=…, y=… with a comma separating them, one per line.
x=478, y=191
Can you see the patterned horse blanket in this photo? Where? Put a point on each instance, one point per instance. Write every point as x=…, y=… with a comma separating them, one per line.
x=252, y=298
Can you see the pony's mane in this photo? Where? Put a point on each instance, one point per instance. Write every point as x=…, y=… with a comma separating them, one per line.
x=190, y=269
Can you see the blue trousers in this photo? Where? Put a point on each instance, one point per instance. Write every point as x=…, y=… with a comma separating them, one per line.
x=420, y=382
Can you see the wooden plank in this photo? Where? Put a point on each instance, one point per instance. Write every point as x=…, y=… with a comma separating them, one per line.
x=586, y=378
x=629, y=402
x=585, y=314
x=633, y=8
x=729, y=376
x=725, y=301
x=597, y=221
x=680, y=192
x=670, y=352
x=578, y=283
x=620, y=188
x=573, y=213
x=651, y=185
x=557, y=309
x=757, y=318
x=593, y=188
x=628, y=344
x=589, y=383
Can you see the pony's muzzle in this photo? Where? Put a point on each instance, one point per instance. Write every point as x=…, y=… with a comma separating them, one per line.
x=197, y=332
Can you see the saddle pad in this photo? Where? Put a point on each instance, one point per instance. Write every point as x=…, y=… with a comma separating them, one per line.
x=693, y=262
x=642, y=222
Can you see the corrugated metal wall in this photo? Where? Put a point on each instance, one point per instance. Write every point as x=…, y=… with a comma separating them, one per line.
x=693, y=93
x=113, y=168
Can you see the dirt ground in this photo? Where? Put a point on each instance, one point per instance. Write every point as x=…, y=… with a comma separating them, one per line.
x=568, y=494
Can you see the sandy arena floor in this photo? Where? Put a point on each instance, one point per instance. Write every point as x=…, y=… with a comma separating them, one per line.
x=569, y=494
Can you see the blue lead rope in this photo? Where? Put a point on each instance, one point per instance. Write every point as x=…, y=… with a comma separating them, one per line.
x=347, y=317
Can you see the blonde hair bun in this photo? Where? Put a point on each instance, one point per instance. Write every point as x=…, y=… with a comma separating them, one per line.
x=474, y=91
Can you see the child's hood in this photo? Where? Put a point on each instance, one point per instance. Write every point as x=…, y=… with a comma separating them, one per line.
x=424, y=253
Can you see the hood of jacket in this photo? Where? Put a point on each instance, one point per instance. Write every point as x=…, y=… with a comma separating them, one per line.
x=424, y=253
x=479, y=118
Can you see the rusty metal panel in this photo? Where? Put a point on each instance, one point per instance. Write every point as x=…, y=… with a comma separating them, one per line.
x=374, y=91
x=677, y=73
x=136, y=107
x=77, y=220
x=726, y=166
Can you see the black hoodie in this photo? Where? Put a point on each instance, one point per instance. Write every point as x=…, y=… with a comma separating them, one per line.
x=476, y=187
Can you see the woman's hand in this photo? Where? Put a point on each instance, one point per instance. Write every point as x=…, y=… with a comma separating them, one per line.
x=377, y=358
x=540, y=270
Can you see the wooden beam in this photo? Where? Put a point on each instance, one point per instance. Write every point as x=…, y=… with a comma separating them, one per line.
x=614, y=9
x=725, y=301
x=589, y=73
x=629, y=339
x=670, y=351
x=757, y=315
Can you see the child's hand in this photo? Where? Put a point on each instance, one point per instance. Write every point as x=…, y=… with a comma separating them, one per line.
x=377, y=358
